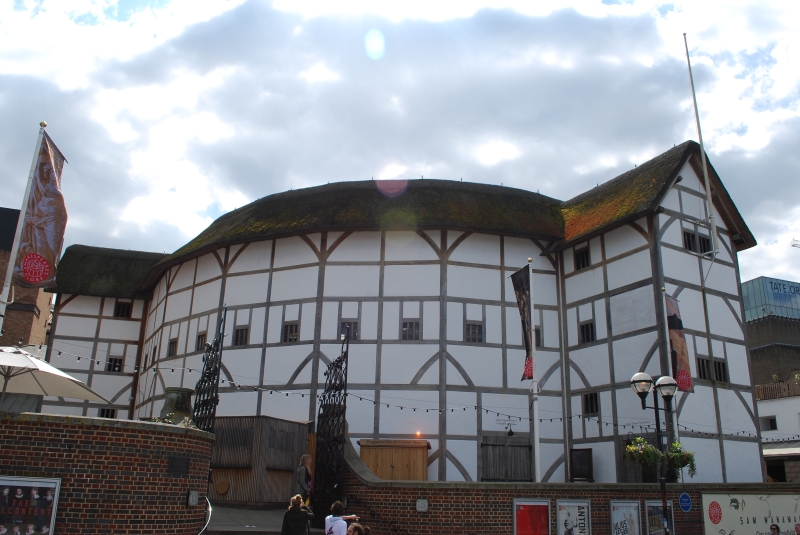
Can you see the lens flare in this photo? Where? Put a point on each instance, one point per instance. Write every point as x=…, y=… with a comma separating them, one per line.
x=375, y=44
x=392, y=188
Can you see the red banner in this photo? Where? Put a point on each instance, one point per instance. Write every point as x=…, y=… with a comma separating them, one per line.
x=45, y=221
x=677, y=341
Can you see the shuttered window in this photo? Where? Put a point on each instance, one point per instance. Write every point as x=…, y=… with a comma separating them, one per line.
x=506, y=458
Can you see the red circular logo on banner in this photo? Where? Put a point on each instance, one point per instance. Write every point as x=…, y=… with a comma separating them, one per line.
x=714, y=512
x=684, y=380
x=35, y=267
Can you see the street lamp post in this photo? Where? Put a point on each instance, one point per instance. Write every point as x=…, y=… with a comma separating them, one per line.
x=642, y=384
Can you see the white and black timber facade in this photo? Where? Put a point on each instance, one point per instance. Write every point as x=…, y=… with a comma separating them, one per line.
x=422, y=277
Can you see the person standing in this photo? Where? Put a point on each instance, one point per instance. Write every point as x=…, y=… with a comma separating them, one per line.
x=303, y=478
x=358, y=529
x=335, y=522
x=295, y=520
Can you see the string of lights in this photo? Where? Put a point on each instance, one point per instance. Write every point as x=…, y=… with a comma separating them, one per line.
x=463, y=408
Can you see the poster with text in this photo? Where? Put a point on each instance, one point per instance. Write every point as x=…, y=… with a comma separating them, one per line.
x=751, y=514
x=531, y=517
x=574, y=518
x=625, y=518
x=28, y=505
x=655, y=520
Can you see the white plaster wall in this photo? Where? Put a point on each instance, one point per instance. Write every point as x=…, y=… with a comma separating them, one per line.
x=513, y=327
x=391, y=320
x=572, y=326
x=466, y=451
x=550, y=328
x=671, y=200
x=697, y=410
x=286, y=407
x=358, y=247
x=298, y=283
x=628, y=270
x=120, y=329
x=551, y=427
x=494, y=328
x=593, y=362
x=361, y=365
x=401, y=362
x=483, y=365
x=723, y=321
x=630, y=353
x=395, y=421
x=369, y=320
x=513, y=405
x=81, y=305
x=478, y=249
x=430, y=320
x=734, y=415
x=518, y=250
x=461, y=417
x=255, y=257
x=407, y=245
x=76, y=326
x=673, y=233
x=600, y=326
x=354, y=281
x=605, y=466
x=282, y=361
x=206, y=297
x=411, y=280
x=360, y=413
x=292, y=252
x=552, y=454
x=307, y=318
x=183, y=276
x=584, y=284
x=474, y=283
x=742, y=462
x=621, y=240
x=246, y=289
x=207, y=268
x=707, y=457
x=787, y=413
x=455, y=322
x=680, y=266
x=633, y=310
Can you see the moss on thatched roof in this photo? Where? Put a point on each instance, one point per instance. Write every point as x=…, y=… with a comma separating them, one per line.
x=103, y=272
x=425, y=204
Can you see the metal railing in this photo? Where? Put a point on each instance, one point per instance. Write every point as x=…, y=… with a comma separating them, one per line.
x=777, y=390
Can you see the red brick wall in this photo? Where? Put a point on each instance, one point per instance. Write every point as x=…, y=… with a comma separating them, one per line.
x=113, y=473
x=389, y=507
x=23, y=324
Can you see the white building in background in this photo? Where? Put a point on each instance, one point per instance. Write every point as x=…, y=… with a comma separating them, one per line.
x=421, y=272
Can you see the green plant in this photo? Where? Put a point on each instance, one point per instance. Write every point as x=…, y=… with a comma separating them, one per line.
x=677, y=457
x=643, y=453
x=170, y=419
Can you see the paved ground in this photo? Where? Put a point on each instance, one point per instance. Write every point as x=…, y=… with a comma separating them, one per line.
x=235, y=521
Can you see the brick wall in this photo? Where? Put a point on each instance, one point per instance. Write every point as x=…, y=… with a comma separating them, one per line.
x=389, y=507
x=113, y=473
x=22, y=321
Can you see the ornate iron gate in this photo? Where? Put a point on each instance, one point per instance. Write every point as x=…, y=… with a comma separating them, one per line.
x=207, y=389
x=331, y=427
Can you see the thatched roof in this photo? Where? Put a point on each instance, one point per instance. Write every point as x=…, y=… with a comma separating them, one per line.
x=103, y=272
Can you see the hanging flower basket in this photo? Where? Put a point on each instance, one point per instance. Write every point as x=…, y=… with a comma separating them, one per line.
x=677, y=457
x=643, y=453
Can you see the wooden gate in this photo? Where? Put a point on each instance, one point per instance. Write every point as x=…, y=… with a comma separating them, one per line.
x=506, y=458
x=396, y=459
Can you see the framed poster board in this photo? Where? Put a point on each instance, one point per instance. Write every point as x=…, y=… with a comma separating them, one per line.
x=655, y=525
x=28, y=504
x=626, y=518
x=531, y=517
x=581, y=467
x=573, y=517
x=750, y=514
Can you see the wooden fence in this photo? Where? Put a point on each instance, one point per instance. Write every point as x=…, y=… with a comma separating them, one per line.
x=780, y=389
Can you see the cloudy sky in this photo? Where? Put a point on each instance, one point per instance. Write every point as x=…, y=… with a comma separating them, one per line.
x=172, y=112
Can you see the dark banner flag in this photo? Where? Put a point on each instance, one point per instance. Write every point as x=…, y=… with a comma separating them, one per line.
x=522, y=289
x=45, y=220
x=677, y=341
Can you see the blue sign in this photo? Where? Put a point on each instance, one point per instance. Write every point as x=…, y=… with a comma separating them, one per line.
x=685, y=502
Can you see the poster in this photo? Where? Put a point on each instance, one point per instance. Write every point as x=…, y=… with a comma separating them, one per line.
x=751, y=514
x=655, y=520
x=573, y=518
x=625, y=518
x=28, y=505
x=531, y=517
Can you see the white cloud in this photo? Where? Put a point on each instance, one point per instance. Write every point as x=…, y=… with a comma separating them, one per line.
x=319, y=73
x=393, y=170
x=494, y=152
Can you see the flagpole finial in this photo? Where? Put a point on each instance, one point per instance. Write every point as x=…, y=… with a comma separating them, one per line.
x=43, y=124
x=530, y=259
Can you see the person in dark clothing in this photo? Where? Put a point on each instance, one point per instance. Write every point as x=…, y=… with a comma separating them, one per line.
x=295, y=520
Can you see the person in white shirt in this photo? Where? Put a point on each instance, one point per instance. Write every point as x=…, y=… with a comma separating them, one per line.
x=335, y=522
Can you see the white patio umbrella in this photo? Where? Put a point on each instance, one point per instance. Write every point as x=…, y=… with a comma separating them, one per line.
x=22, y=373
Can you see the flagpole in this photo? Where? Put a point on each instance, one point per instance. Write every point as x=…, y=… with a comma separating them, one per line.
x=534, y=385
x=12, y=259
x=672, y=371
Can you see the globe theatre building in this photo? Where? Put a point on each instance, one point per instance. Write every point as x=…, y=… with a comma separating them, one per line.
x=419, y=271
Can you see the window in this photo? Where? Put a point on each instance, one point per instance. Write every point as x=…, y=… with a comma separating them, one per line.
x=712, y=369
x=591, y=404
x=586, y=333
x=200, y=343
x=122, y=309
x=705, y=244
x=474, y=333
x=353, y=326
x=689, y=241
x=537, y=337
x=582, y=259
x=768, y=423
x=114, y=364
x=107, y=413
x=291, y=332
x=240, y=336
x=410, y=330
x=172, y=348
